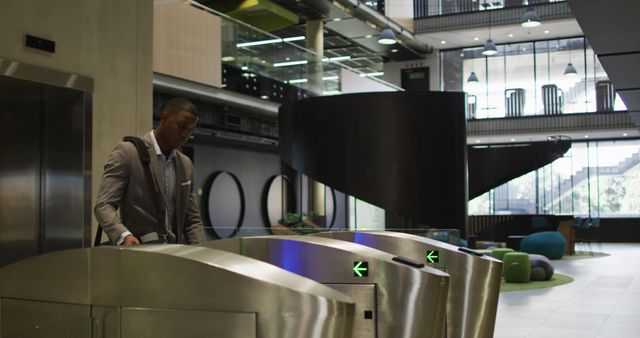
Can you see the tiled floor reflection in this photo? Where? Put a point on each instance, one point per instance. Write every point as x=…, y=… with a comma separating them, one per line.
x=603, y=301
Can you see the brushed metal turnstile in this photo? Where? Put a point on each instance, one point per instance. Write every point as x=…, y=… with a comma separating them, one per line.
x=474, y=282
x=168, y=291
x=394, y=300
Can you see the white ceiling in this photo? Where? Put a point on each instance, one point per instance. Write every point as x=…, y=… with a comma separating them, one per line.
x=574, y=135
x=502, y=34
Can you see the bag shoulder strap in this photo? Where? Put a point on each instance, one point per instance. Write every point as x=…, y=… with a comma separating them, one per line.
x=143, y=154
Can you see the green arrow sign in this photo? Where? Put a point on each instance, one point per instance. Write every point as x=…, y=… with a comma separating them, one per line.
x=433, y=256
x=360, y=269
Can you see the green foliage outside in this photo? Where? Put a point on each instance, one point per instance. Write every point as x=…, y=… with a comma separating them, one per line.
x=300, y=222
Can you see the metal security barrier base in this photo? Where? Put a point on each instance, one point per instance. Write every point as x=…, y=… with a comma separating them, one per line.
x=167, y=291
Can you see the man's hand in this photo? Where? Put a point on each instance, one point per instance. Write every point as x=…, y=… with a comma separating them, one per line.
x=130, y=240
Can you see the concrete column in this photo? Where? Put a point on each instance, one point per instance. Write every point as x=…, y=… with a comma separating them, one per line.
x=315, y=42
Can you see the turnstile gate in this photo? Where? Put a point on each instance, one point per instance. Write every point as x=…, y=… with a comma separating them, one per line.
x=167, y=291
x=395, y=297
x=474, y=279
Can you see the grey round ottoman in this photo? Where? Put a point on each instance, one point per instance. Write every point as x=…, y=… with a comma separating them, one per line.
x=541, y=267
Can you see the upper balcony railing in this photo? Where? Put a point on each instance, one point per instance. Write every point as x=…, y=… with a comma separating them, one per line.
x=426, y=8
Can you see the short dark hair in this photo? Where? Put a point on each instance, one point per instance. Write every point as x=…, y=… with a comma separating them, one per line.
x=178, y=104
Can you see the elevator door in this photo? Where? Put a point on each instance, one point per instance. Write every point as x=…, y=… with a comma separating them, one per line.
x=42, y=195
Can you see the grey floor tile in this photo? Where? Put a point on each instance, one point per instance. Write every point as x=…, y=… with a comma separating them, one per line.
x=603, y=301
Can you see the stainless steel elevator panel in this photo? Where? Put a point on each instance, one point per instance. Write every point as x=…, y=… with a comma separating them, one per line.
x=20, y=138
x=45, y=164
x=474, y=284
x=62, y=169
x=171, y=291
x=410, y=301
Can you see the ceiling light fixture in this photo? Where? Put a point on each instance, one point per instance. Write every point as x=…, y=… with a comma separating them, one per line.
x=290, y=63
x=489, y=47
x=473, y=77
x=530, y=19
x=294, y=38
x=387, y=37
x=258, y=43
x=569, y=70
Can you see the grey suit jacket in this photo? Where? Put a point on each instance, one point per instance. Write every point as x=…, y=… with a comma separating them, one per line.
x=124, y=188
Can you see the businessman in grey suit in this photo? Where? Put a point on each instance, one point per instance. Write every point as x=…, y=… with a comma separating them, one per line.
x=124, y=187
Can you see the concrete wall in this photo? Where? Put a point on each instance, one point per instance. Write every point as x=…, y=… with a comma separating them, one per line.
x=401, y=11
x=107, y=40
x=187, y=43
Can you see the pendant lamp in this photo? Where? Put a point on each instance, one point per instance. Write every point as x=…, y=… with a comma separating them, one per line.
x=473, y=78
x=570, y=70
x=489, y=48
x=387, y=37
x=530, y=19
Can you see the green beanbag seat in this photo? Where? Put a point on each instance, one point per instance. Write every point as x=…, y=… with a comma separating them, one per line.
x=550, y=244
x=499, y=253
x=516, y=267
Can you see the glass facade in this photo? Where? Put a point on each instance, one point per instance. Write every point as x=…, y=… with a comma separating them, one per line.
x=549, y=77
x=595, y=178
x=365, y=216
x=282, y=56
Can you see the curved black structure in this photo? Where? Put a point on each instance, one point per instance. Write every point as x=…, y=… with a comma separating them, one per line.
x=494, y=165
x=402, y=151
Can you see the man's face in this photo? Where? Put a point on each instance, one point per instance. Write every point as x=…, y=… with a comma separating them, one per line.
x=174, y=129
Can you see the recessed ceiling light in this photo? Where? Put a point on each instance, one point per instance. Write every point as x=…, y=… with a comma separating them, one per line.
x=443, y=42
x=228, y=58
x=394, y=51
x=290, y=63
x=477, y=141
x=546, y=32
x=513, y=139
x=368, y=36
x=586, y=136
x=264, y=97
x=258, y=43
x=337, y=19
x=511, y=35
x=625, y=134
x=294, y=38
x=476, y=38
